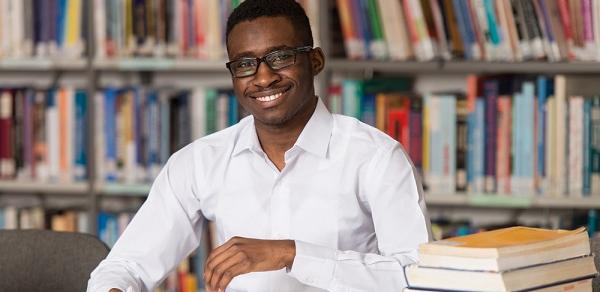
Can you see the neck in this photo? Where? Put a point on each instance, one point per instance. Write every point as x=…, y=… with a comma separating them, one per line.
x=276, y=140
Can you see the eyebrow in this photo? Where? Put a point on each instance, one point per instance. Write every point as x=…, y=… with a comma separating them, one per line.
x=251, y=54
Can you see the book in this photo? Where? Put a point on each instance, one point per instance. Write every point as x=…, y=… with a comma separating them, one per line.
x=529, y=278
x=574, y=286
x=505, y=249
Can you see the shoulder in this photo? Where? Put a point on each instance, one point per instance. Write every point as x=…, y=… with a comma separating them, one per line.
x=210, y=149
x=360, y=136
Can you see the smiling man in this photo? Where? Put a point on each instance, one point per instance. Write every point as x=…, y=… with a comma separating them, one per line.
x=303, y=200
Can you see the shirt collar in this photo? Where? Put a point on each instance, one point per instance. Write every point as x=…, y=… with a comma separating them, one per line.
x=316, y=134
x=314, y=137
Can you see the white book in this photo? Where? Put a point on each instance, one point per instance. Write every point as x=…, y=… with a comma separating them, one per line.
x=442, y=143
x=575, y=181
x=11, y=219
x=394, y=30
x=52, y=141
x=83, y=222
x=25, y=221
x=560, y=84
x=312, y=9
x=100, y=28
x=198, y=112
x=17, y=28
x=213, y=34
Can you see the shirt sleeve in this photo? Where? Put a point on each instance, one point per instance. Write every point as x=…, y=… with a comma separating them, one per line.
x=400, y=219
x=164, y=231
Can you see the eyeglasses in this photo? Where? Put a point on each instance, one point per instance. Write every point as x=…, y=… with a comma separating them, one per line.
x=276, y=60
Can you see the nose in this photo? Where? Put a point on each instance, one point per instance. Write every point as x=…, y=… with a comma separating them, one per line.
x=265, y=77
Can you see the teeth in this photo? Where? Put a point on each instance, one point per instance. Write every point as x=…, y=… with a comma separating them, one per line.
x=269, y=97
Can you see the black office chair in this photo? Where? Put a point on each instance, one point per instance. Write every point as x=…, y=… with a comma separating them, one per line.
x=42, y=260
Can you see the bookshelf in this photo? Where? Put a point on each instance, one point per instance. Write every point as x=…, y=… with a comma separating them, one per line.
x=95, y=69
x=464, y=67
x=74, y=189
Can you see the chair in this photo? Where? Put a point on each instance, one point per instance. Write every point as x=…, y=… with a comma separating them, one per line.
x=42, y=260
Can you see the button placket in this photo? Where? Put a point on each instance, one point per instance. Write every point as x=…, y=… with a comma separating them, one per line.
x=280, y=212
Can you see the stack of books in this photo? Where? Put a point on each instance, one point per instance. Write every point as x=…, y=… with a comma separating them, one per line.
x=509, y=259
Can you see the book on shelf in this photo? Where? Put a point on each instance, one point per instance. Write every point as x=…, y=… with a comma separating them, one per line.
x=509, y=259
x=35, y=217
x=44, y=134
x=192, y=29
x=505, y=134
x=138, y=128
x=483, y=30
x=42, y=29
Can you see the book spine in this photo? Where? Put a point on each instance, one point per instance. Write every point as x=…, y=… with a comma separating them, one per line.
x=361, y=27
x=490, y=88
x=367, y=109
x=110, y=133
x=377, y=46
x=595, y=146
x=462, y=114
x=586, y=156
x=575, y=164
x=80, y=144
x=7, y=164
x=354, y=49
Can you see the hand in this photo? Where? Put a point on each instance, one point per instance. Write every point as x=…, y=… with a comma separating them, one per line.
x=244, y=255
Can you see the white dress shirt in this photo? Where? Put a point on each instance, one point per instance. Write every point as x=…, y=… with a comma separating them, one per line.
x=348, y=197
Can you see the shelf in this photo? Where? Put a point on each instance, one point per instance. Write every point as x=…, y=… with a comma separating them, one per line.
x=160, y=64
x=512, y=202
x=78, y=188
x=34, y=64
x=130, y=190
x=464, y=67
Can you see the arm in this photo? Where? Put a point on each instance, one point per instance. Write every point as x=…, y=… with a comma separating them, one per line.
x=399, y=217
x=165, y=230
x=398, y=212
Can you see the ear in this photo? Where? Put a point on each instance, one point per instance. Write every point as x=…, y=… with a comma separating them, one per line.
x=317, y=60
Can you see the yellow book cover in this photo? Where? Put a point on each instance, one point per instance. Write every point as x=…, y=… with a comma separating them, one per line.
x=73, y=24
x=506, y=240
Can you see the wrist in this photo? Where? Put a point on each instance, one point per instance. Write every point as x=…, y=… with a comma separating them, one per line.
x=289, y=254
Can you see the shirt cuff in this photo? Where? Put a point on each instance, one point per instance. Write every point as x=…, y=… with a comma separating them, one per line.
x=313, y=265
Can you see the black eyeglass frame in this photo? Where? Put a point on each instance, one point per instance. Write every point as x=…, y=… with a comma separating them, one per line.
x=303, y=49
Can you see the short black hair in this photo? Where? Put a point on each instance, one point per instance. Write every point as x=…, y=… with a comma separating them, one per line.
x=290, y=9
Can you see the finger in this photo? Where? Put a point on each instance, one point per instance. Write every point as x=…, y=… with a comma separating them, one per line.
x=212, y=263
x=224, y=268
x=232, y=272
x=222, y=248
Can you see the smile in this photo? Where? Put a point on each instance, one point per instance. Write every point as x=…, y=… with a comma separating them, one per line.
x=271, y=97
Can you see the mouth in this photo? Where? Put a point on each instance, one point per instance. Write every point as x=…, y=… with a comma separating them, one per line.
x=271, y=95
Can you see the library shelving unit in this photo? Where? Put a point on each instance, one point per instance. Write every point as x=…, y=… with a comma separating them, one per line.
x=94, y=190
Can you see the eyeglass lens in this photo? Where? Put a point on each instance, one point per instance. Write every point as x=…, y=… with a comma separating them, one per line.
x=276, y=61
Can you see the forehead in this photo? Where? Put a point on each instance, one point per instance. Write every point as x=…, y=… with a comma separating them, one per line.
x=259, y=35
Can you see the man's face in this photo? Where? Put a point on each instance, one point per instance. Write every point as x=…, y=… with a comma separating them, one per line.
x=274, y=98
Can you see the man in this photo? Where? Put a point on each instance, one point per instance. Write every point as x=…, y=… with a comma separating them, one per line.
x=303, y=200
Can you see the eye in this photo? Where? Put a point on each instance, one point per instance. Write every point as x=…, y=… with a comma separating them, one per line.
x=243, y=64
x=282, y=58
